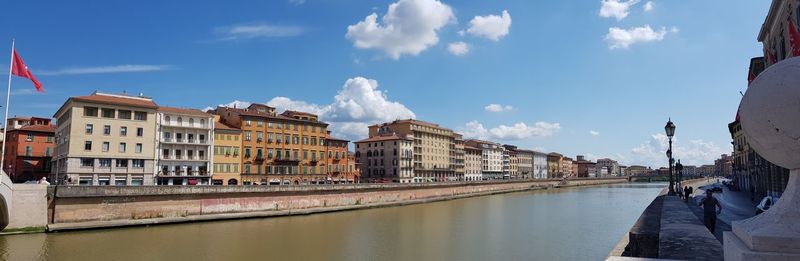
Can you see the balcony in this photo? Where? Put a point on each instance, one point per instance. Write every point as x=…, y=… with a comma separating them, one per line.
x=259, y=140
x=259, y=157
x=313, y=160
x=287, y=159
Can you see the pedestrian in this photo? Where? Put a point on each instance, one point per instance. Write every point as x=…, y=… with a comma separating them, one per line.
x=680, y=192
x=710, y=211
x=686, y=192
x=752, y=192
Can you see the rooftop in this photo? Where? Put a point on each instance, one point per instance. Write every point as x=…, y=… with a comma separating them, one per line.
x=117, y=99
x=392, y=136
x=185, y=111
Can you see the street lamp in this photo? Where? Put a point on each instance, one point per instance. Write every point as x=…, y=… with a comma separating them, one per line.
x=670, y=129
x=679, y=171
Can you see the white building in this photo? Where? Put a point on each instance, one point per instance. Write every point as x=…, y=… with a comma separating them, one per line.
x=539, y=165
x=491, y=158
x=611, y=166
x=183, y=146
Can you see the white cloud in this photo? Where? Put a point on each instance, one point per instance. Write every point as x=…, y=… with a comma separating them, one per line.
x=649, y=6
x=674, y=30
x=257, y=31
x=494, y=107
x=125, y=68
x=616, y=8
x=622, y=38
x=492, y=27
x=695, y=152
x=458, y=48
x=518, y=131
x=594, y=133
x=408, y=27
x=358, y=104
x=234, y=104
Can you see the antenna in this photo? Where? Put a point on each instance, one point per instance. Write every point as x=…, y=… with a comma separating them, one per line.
x=740, y=92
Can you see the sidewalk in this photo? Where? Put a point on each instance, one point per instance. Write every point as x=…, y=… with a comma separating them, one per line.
x=736, y=205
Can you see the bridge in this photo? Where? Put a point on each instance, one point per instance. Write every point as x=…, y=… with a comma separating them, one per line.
x=22, y=206
x=655, y=178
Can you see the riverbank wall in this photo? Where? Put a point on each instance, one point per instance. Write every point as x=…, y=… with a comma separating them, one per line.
x=88, y=207
x=667, y=229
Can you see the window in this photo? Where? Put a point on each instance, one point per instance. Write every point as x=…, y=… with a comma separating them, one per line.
x=87, y=162
x=137, y=181
x=138, y=148
x=106, y=146
x=247, y=168
x=259, y=123
x=105, y=163
x=123, y=131
x=87, y=145
x=28, y=150
x=123, y=146
x=30, y=137
x=89, y=128
x=191, y=121
x=103, y=181
x=247, y=122
x=259, y=136
x=107, y=113
x=90, y=111
x=140, y=116
x=247, y=136
x=165, y=153
x=137, y=163
x=120, y=181
x=85, y=180
x=139, y=132
x=180, y=121
x=167, y=119
x=124, y=115
x=247, y=152
x=49, y=139
x=106, y=129
x=122, y=163
x=47, y=152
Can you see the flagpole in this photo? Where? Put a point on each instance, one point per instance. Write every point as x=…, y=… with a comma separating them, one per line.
x=8, y=99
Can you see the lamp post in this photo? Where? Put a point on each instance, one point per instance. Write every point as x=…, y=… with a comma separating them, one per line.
x=670, y=129
x=679, y=171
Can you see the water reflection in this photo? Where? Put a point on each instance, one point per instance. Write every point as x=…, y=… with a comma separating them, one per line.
x=563, y=224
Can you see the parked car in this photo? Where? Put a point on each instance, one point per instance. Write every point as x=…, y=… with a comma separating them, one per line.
x=716, y=188
x=766, y=203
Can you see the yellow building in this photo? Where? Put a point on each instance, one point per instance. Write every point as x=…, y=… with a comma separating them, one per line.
x=227, y=154
x=436, y=156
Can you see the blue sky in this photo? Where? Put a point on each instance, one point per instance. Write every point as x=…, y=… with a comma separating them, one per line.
x=567, y=76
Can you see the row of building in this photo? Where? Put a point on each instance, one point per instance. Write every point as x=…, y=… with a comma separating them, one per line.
x=778, y=35
x=121, y=139
x=409, y=151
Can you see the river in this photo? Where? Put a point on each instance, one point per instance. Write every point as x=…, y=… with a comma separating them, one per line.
x=581, y=223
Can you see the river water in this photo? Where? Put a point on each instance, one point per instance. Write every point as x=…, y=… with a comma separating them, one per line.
x=563, y=224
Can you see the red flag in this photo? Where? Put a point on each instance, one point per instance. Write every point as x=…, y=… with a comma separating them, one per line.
x=794, y=39
x=19, y=68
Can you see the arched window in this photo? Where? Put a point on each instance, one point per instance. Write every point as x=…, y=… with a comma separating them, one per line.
x=180, y=120
x=191, y=121
x=203, y=122
x=166, y=119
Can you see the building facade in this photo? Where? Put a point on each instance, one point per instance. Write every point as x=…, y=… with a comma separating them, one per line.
x=540, y=165
x=611, y=166
x=183, y=146
x=285, y=148
x=554, y=168
x=105, y=139
x=525, y=159
x=473, y=160
x=510, y=162
x=227, y=160
x=585, y=168
x=435, y=153
x=387, y=157
x=29, y=148
x=567, y=167
x=340, y=169
x=491, y=158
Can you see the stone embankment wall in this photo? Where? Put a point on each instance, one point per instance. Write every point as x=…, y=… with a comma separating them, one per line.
x=77, y=207
x=28, y=208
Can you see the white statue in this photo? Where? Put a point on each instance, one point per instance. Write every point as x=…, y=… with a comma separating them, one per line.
x=770, y=117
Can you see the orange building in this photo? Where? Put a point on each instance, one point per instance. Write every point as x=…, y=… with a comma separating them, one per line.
x=286, y=148
x=29, y=148
x=341, y=164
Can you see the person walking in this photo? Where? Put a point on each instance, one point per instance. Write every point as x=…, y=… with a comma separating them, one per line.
x=710, y=210
x=680, y=192
x=686, y=193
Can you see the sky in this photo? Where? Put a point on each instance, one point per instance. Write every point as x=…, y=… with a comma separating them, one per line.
x=595, y=78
